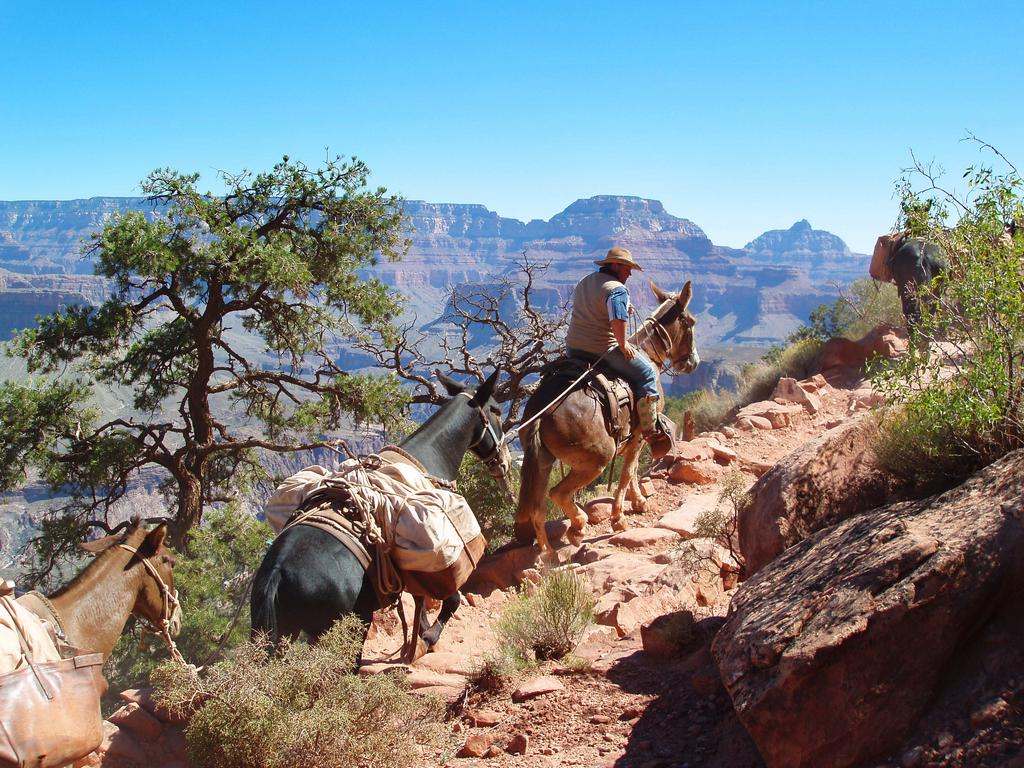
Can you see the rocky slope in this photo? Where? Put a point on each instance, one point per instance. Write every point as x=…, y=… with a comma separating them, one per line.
x=881, y=637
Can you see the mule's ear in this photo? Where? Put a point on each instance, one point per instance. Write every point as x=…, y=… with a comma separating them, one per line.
x=450, y=384
x=153, y=541
x=659, y=294
x=101, y=544
x=483, y=394
x=686, y=294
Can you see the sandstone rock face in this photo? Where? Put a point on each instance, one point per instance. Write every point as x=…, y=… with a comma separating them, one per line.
x=778, y=415
x=833, y=651
x=758, y=293
x=817, y=485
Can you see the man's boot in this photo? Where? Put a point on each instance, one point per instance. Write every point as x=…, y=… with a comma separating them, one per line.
x=650, y=426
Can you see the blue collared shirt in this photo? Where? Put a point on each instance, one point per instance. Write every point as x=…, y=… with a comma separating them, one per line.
x=618, y=303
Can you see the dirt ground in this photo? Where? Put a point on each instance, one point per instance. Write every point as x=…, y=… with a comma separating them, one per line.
x=628, y=709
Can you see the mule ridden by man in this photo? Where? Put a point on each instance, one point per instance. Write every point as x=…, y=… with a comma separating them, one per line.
x=600, y=315
x=581, y=418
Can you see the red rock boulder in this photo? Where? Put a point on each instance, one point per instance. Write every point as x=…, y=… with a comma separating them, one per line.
x=819, y=484
x=833, y=652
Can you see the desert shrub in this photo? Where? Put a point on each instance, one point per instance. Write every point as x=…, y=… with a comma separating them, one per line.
x=493, y=510
x=495, y=670
x=864, y=305
x=955, y=400
x=826, y=321
x=873, y=304
x=938, y=436
x=721, y=522
x=304, y=707
x=547, y=620
x=212, y=580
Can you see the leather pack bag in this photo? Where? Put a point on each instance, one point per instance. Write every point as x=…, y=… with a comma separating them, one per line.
x=50, y=710
x=440, y=584
x=881, y=258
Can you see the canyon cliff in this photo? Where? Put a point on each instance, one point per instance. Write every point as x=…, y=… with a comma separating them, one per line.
x=755, y=295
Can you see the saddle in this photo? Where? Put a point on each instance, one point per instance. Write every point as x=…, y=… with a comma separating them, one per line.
x=616, y=396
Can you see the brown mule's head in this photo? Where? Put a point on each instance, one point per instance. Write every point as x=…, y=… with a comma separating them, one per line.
x=677, y=322
x=152, y=563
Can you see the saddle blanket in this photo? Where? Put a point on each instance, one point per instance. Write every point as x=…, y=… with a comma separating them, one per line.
x=428, y=528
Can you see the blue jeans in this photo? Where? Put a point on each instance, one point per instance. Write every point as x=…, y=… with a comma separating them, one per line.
x=639, y=372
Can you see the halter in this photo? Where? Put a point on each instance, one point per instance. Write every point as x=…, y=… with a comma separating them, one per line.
x=170, y=605
x=660, y=336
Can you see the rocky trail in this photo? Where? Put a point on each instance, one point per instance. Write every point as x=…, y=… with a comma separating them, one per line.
x=890, y=638
x=631, y=707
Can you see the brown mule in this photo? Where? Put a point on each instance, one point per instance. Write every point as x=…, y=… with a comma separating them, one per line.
x=133, y=574
x=574, y=432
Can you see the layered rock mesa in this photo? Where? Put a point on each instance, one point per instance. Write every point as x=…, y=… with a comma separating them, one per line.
x=756, y=294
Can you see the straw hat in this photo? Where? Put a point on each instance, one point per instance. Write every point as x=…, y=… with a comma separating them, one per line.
x=619, y=256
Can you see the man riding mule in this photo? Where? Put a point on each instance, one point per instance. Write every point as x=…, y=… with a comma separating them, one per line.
x=600, y=312
x=582, y=419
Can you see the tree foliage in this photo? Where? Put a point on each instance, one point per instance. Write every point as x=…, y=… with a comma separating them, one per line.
x=862, y=306
x=213, y=579
x=957, y=395
x=279, y=257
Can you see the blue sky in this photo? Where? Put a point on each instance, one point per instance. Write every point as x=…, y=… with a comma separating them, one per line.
x=742, y=117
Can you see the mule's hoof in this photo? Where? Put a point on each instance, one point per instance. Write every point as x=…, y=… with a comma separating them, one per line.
x=619, y=526
x=575, y=536
x=524, y=533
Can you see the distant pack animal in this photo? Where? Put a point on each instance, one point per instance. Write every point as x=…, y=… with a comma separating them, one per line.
x=309, y=579
x=577, y=432
x=912, y=264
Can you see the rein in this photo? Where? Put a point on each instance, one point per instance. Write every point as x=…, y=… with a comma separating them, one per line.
x=170, y=605
x=653, y=323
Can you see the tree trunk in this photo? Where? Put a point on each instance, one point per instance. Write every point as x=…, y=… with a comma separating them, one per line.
x=190, y=511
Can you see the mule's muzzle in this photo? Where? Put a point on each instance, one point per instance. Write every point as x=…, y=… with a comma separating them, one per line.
x=174, y=623
x=500, y=471
x=687, y=365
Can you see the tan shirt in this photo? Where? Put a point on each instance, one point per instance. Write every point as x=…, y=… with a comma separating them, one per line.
x=590, y=329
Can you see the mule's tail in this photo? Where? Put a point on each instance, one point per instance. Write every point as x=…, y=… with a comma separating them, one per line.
x=533, y=487
x=263, y=605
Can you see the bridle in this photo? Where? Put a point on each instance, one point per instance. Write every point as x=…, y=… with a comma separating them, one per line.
x=169, y=597
x=659, y=336
x=492, y=459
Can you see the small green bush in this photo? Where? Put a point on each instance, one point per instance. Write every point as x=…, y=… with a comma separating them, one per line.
x=864, y=305
x=873, y=304
x=721, y=523
x=304, y=707
x=956, y=399
x=495, y=671
x=212, y=580
x=493, y=510
x=939, y=437
x=548, y=620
